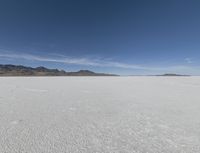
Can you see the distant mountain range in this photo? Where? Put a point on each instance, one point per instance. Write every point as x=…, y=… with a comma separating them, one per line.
x=19, y=70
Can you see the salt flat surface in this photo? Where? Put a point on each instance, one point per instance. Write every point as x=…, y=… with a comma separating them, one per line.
x=100, y=115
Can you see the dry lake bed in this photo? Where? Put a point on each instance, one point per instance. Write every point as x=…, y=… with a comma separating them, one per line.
x=99, y=114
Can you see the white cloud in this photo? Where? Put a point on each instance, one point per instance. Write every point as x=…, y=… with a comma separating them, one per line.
x=188, y=60
x=105, y=63
x=75, y=61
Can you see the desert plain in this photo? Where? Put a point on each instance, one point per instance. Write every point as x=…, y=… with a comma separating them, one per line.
x=100, y=114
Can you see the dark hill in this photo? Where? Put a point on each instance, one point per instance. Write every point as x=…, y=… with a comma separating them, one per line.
x=172, y=74
x=19, y=70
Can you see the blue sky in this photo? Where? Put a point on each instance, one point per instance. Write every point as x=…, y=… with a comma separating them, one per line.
x=115, y=36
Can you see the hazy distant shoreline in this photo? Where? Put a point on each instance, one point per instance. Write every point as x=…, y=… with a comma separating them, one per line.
x=9, y=70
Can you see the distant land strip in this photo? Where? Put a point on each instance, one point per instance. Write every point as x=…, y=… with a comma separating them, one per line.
x=172, y=74
x=19, y=70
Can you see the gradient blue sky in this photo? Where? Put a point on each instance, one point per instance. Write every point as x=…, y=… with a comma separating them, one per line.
x=115, y=36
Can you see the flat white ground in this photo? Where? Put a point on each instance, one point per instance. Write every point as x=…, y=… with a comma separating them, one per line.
x=100, y=114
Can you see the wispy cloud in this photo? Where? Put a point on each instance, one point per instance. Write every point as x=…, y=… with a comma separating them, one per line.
x=103, y=63
x=188, y=60
x=71, y=60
